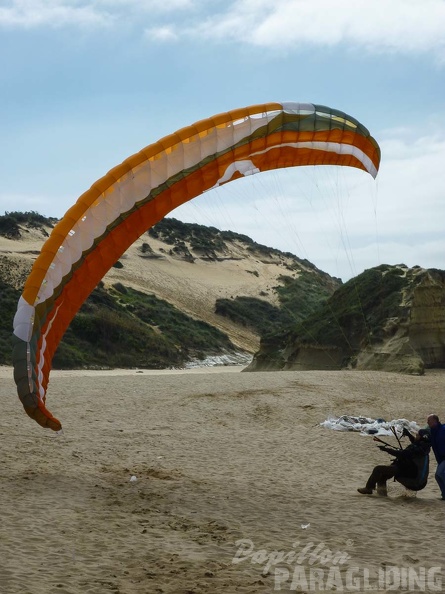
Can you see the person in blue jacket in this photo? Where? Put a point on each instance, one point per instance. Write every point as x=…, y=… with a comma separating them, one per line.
x=437, y=438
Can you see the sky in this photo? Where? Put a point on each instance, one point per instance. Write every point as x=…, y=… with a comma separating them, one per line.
x=86, y=83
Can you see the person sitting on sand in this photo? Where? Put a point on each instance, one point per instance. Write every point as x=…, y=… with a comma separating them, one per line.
x=410, y=467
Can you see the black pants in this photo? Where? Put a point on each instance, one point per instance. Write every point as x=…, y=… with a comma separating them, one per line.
x=380, y=475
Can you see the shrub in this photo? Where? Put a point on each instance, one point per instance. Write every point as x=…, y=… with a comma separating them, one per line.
x=9, y=227
x=257, y=314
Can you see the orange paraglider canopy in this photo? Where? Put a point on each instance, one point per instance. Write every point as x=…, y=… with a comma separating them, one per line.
x=139, y=192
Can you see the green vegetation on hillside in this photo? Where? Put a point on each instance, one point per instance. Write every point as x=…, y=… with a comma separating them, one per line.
x=8, y=306
x=122, y=328
x=191, y=336
x=259, y=315
x=10, y=221
x=207, y=241
x=127, y=328
x=355, y=314
x=299, y=298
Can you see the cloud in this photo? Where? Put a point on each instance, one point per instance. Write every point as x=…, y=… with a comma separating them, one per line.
x=166, y=33
x=35, y=13
x=380, y=26
x=141, y=6
x=81, y=13
x=403, y=26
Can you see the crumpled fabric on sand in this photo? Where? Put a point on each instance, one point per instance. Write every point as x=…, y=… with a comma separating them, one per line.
x=368, y=426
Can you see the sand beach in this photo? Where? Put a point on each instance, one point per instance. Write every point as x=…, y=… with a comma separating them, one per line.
x=228, y=467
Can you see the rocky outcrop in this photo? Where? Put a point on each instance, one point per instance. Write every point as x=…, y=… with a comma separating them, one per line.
x=426, y=329
x=403, y=330
x=418, y=340
x=297, y=357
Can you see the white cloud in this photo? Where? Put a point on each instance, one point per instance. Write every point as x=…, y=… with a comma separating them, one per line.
x=379, y=26
x=143, y=4
x=35, y=13
x=411, y=201
x=161, y=34
x=80, y=13
x=156, y=6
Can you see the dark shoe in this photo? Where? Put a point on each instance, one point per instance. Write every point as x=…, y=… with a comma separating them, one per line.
x=382, y=490
x=365, y=491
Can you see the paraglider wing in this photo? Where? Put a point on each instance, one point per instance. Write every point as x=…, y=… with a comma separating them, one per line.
x=135, y=195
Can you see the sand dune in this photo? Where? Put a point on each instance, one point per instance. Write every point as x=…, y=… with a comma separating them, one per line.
x=219, y=457
x=192, y=288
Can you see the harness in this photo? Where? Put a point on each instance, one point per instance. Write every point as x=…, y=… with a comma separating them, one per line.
x=418, y=482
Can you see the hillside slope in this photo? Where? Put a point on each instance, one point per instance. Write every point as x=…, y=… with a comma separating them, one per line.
x=388, y=318
x=198, y=270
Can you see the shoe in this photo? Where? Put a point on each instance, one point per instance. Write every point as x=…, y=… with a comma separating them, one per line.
x=382, y=490
x=365, y=491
